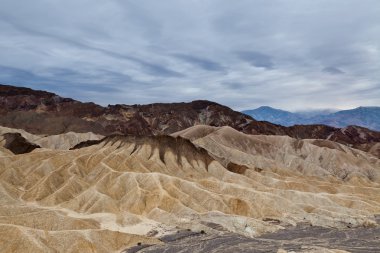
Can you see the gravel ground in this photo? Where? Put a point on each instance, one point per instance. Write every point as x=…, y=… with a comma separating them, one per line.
x=356, y=240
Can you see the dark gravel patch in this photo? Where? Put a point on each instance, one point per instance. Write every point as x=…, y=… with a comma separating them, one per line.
x=355, y=240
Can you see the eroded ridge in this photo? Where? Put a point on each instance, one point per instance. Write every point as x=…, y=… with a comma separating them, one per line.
x=112, y=194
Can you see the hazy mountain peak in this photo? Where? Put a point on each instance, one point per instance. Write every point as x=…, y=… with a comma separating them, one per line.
x=365, y=116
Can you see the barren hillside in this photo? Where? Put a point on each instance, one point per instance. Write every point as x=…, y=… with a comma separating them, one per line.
x=109, y=195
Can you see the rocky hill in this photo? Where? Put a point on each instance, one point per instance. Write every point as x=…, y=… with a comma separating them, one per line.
x=41, y=112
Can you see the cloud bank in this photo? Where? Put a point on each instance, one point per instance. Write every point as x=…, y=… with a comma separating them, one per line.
x=287, y=54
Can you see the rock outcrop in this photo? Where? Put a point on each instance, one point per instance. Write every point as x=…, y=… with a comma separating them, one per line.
x=45, y=113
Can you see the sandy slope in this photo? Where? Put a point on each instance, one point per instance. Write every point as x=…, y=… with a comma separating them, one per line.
x=284, y=155
x=124, y=190
x=61, y=141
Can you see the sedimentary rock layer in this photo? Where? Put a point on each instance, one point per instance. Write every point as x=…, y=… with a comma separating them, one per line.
x=109, y=196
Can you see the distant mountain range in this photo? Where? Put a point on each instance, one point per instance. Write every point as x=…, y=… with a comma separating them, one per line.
x=45, y=113
x=368, y=117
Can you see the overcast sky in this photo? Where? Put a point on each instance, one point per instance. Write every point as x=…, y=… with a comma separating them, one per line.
x=289, y=54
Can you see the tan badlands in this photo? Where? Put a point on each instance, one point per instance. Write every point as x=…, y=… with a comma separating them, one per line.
x=109, y=196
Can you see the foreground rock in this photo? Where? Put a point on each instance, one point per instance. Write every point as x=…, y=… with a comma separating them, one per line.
x=302, y=238
x=17, y=144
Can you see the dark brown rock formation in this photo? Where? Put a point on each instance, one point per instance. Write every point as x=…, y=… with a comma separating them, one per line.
x=18, y=144
x=41, y=112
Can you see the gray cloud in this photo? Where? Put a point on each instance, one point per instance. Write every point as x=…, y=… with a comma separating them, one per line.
x=200, y=62
x=333, y=70
x=15, y=75
x=288, y=54
x=150, y=68
x=257, y=59
x=63, y=79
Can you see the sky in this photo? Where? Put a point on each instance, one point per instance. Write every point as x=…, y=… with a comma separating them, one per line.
x=289, y=54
